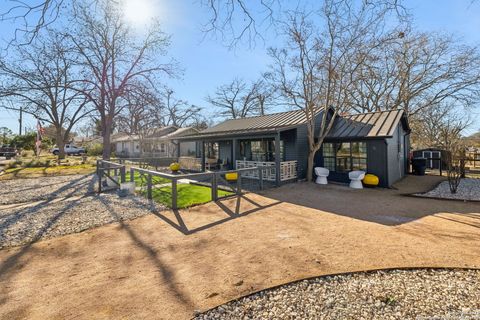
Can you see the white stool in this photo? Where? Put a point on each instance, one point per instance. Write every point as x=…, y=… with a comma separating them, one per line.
x=356, y=178
x=322, y=174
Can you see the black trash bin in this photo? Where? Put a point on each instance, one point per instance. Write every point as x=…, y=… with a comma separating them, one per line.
x=419, y=165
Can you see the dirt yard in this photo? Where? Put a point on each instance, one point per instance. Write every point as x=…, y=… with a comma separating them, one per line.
x=171, y=264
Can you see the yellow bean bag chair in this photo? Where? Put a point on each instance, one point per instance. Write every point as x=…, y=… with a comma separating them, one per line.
x=371, y=180
x=175, y=166
x=231, y=176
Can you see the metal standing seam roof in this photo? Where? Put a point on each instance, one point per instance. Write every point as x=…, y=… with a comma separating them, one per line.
x=366, y=125
x=363, y=125
x=258, y=124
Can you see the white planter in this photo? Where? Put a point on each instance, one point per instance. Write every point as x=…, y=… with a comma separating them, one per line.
x=129, y=186
x=111, y=183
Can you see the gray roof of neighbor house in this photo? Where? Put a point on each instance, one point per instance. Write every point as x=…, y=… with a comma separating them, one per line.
x=255, y=125
x=380, y=124
x=163, y=133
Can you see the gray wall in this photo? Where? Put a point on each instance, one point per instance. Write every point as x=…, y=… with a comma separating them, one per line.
x=377, y=160
x=396, y=156
x=301, y=150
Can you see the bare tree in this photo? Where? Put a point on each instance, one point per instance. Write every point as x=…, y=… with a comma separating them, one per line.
x=43, y=77
x=240, y=21
x=237, y=99
x=115, y=60
x=178, y=113
x=418, y=71
x=138, y=112
x=318, y=67
x=30, y=17
x=440, y=126
x=234, y=21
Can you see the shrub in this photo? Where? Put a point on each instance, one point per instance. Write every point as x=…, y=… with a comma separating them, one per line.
x=95, y=149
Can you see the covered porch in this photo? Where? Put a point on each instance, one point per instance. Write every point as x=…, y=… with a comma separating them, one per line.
x=273, y=150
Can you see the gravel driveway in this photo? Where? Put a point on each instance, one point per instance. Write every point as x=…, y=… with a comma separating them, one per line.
x=395, y=294
x=150, y=268
x=45, y=188
x=35, y=209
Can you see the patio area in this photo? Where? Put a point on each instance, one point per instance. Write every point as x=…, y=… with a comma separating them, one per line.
x=179, y=262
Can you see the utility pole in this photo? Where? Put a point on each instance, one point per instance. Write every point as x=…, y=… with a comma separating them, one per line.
x=20, y=121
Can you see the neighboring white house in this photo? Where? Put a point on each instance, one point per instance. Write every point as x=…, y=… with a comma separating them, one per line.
x=161, y=143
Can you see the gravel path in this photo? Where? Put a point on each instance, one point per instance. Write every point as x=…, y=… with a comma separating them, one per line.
x=48, y=219
x=469, y=189
x=395, y=294
x=34, y=209
x=45, y=188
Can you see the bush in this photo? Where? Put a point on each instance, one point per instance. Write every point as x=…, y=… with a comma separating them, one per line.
x=95, y=149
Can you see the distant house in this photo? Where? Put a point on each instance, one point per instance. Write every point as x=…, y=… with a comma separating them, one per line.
x=161, y=143
x=377, y=142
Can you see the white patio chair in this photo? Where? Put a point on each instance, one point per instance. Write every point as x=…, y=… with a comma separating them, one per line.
x=356, y=178
x=322, y=174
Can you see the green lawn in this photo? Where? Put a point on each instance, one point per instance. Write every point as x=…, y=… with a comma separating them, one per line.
x=188, y=195
x=142, y=179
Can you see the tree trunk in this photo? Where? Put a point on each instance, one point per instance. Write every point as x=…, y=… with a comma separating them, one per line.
x=311, y=157
x=60, y=144
x=106, y=144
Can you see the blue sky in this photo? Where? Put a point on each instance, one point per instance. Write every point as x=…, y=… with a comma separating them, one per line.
x=207, y=63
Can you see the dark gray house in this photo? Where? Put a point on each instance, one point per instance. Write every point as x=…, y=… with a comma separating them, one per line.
x=375, y=142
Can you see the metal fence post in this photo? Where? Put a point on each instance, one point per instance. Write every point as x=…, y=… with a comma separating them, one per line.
x=149, y=186
x=132, y=175
x=260, y=177
x=122, y=174
x=239, y=183
x=174, y=194
x=100, y=177
x=214, y=187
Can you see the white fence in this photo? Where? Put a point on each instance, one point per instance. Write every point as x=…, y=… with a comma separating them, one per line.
x=288, y=169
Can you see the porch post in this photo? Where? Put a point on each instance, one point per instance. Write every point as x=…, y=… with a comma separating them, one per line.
x=203, y=155
x=277, y=158
x=234, y=154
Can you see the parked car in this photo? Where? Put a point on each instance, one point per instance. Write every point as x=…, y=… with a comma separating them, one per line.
x=70, y=149
x=8, y=151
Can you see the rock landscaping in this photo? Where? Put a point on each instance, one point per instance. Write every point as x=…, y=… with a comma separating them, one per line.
x=469, y=189
x=34, y=209
x=45, y=188
x=395, y=294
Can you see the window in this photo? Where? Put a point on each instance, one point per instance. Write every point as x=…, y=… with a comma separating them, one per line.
x=359, y=156
x=162, y=147
x=211, y=150
x=329, y=156
x=345, y=156
x=260, y=150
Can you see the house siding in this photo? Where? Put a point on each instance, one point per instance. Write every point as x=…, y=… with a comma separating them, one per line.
x=301, y=150
x=377, y=160
x=396, y=156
